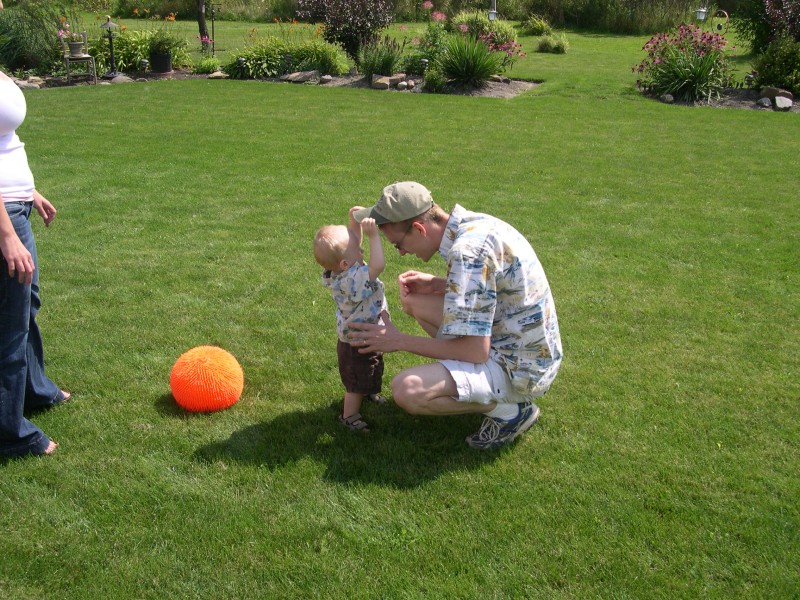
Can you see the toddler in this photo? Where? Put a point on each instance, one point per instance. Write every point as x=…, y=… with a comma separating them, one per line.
x=358, y=294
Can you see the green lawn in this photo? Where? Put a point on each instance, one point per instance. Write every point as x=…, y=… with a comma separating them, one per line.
x=664, y=465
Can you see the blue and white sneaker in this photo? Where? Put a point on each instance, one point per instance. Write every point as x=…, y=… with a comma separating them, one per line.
x=495, y=433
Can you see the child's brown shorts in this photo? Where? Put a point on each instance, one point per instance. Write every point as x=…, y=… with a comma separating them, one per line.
x=360, y=373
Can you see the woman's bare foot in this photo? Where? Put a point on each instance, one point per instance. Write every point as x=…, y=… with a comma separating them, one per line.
x=52, y=447
x=67, y=395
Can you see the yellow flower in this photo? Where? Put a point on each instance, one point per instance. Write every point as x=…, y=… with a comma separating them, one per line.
x=136, y=10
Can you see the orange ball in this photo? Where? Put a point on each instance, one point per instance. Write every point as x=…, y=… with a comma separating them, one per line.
x=206, y=378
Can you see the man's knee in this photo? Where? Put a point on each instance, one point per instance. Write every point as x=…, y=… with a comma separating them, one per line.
x=408, y=393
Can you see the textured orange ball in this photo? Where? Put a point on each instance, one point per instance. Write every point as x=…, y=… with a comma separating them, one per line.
x=206, y=378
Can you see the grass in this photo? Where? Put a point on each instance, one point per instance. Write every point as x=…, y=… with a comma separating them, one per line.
x=665, y=464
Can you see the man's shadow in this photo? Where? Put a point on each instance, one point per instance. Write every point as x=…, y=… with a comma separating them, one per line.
x=402, y=451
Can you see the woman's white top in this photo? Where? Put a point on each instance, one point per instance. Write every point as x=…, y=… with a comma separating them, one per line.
x=16, y=179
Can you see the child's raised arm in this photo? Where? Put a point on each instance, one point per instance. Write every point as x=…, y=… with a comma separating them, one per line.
x=376, y=260
x=354, y=225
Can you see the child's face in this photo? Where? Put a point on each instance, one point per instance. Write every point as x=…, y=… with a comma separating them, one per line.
x=353, y=254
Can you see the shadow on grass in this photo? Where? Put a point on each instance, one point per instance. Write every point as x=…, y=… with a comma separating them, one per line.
x=400, y=451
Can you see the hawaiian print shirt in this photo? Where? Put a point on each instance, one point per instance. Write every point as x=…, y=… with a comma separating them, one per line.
x=358, y=299
x=496, y=287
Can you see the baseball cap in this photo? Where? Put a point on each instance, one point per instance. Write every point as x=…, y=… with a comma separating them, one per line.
x=399, y=201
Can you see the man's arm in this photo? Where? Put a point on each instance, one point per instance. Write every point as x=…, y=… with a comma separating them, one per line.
x=369, y=337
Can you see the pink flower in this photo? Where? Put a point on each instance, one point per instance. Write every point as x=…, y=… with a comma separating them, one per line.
x=438, y=16
x=463, y=28
x=427, y=5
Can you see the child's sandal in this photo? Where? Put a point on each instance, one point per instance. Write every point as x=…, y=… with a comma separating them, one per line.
x=377, y=398
x=354, y=423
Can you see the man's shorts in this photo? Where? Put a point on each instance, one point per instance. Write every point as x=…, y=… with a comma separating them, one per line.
x=482, y=383
x=360, y=373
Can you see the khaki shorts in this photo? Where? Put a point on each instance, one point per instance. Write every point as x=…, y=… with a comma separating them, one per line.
x=482, y=383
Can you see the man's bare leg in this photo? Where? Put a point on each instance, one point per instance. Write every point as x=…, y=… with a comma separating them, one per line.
x=429, y=389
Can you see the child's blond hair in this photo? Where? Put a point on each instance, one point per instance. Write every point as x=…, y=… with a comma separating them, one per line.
x=330, y=244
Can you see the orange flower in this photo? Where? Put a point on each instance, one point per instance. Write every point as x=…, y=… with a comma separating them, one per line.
x=136, y=10
x=63, y=19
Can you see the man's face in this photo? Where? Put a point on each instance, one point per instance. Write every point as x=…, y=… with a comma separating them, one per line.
x=407, y=239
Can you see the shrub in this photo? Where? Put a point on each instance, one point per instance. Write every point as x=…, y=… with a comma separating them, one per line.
x=537, y=25
x=474, y=24
x=29, y=35
x=688, y=63
x=434, y=81
x=131, y=47
x=508, y=51
x=468, y=62
x=779, y=65
x=272, y=57
x=319, y=55
x=348, y=22
x=429, y=47
x=380, y=57
x=751, y=24
x=553, y=44
x=207, y=64
x=162, y=41
x=503, y=33
x=784, y=18
x=617, y=16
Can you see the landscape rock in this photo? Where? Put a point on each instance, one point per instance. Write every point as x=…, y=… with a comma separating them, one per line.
x=122, y=79
x=764, y=103
x=26, y=85
x=218, y=75
x=380, y=82
x=667, y=98
x=782, y=103
x=402, y=86
x=326, y=79
x=396, y=78
x=411, y=84
x=301, y=76
x=772, y=92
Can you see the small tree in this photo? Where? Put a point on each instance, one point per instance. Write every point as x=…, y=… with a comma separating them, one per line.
x=348, y=22
x=784, y=18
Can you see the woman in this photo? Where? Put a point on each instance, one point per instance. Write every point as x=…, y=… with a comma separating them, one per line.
x=23, y=383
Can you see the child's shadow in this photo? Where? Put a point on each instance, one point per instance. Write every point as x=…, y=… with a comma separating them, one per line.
x=400, y=450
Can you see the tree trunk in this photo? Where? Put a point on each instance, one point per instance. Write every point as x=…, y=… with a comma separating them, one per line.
x=201, y=23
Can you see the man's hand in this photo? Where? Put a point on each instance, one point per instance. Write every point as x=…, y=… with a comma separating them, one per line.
x=373, y=337
x=414, y=282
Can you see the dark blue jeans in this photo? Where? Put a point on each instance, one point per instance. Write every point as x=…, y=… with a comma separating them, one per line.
x=23, y=383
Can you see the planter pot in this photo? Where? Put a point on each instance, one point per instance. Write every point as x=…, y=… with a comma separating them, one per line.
x=161, y=63
x=75, y=48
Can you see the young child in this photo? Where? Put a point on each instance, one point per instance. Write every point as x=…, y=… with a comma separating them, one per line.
x=358, y=294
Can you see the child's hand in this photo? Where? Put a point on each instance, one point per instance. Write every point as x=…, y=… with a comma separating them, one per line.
x=369, y=227
x=351, y=212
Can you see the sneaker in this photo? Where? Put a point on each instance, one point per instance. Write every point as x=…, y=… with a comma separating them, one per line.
x=495, y=433
x=354, y=423
x=377, y=398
